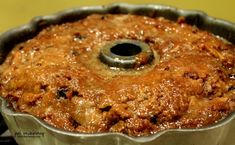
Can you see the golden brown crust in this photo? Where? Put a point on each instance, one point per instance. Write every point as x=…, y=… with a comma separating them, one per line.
x=57, y=77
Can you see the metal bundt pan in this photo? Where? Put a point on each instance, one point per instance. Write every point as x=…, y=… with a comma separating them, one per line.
x=28, y=129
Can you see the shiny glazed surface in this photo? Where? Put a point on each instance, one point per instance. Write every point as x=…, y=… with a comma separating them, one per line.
x=58, y=77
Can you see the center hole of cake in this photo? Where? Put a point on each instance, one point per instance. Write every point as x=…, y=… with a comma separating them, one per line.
x=126, y=49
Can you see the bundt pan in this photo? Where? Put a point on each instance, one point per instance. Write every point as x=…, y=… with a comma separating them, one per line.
x=27, y=129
